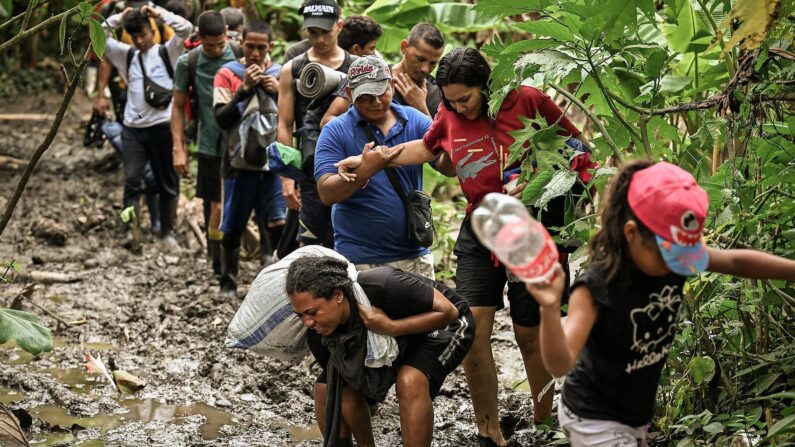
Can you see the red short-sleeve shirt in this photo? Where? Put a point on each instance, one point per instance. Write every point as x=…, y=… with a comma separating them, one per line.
x=479, y=148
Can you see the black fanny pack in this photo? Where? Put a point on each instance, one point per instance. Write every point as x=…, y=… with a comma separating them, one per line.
x=419, y=222
x=418, y=205
x=154, y=94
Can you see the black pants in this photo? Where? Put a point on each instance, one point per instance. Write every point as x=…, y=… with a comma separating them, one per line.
x=153, y=145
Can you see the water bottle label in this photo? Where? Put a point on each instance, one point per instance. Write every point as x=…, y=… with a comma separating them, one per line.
x=542, y=266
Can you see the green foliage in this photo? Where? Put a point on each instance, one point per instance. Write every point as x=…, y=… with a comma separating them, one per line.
x=641, y=69
x=26, y=330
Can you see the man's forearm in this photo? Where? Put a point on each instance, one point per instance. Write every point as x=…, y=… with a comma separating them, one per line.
x=333, y=189
x=177, y=126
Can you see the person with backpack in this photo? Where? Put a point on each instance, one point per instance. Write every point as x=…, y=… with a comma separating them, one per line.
x=148, y=70
x=244, y=99
x=193, y=83
x=624, y=308
x=478, y=147
x=414, y=85
x=374, y=119
x=322, y=21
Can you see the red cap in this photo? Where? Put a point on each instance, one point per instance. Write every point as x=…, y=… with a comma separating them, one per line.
x=667, y=199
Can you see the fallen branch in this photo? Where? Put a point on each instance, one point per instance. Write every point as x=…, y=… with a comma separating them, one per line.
x=194, y=227
x=7, y=162
x=47, y=277
x=34, y=160
x=26, y=116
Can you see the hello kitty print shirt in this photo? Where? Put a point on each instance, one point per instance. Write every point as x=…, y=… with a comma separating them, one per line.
x=617, y=374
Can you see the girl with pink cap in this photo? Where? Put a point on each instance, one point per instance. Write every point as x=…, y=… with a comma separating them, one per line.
x=623, y=309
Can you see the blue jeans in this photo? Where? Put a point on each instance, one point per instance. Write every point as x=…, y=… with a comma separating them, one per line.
x=260, y=192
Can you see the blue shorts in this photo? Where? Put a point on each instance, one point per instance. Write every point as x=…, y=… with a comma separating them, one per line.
x=258, y=191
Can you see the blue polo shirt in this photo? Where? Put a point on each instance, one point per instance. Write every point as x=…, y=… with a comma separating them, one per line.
x=370, y=226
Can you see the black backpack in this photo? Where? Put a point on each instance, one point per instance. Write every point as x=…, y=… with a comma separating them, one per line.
x=192, y=127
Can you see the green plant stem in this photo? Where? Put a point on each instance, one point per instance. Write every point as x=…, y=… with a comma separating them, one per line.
x=19, y=38
x=594, y=119
x=729, y=58
x=56, y=124
x=19, y=17
x=644, y=136
x=605, y=93
x=28, y=13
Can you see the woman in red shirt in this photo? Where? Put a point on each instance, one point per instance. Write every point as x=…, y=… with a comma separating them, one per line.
x=478, y=147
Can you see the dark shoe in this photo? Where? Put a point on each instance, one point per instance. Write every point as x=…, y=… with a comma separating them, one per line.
x=214, y=253
x=230, y=261
x=168, y=214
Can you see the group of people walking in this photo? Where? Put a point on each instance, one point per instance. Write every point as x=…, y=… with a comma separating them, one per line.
x=362, y=148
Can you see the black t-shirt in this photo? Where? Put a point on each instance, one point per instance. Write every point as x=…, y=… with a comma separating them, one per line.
x=618, y=372
x=402, y=294
x=432, y=99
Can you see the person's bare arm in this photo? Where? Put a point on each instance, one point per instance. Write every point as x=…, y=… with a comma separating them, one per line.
x=561, y=345
x=338, y=107
x=406, y=154
x=101, y=103
x=444, y=164
x=334, y=188
x=179, y=150
x=441, y=314
x=584, y=140
x=750, y=264
x=285, y=131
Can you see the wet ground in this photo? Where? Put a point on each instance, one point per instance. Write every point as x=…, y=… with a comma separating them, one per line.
x=159, y=316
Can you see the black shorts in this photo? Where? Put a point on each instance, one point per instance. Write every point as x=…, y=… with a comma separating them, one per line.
x=208, y=178
x=481, y=278
x=436, y=354
x=315, y=218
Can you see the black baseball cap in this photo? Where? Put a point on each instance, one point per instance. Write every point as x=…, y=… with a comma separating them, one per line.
x=323, y=14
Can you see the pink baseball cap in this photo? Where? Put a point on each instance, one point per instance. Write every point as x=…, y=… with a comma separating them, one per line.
x=667, y=199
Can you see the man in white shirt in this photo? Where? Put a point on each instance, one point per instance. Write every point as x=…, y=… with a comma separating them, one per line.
x=147, y=132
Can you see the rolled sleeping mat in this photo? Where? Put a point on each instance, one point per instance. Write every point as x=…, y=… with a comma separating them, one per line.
x=317, y=81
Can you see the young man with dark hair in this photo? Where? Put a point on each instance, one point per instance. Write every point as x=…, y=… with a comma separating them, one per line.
x=414, y=85
x=193, y=82
x=322, y=21
x=238, y=90
x=234, y=22
x=148, y=67
x=359, y=35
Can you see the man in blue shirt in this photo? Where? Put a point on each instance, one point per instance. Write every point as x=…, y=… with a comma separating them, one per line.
x=369, y=219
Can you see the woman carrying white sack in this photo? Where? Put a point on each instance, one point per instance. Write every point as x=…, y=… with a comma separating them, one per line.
x=432, y=325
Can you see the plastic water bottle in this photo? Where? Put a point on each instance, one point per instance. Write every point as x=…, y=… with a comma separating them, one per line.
x=503, y=225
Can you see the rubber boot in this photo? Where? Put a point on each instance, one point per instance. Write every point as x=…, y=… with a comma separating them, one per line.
x=214, y=253
x=230, y=261
x=265, y=246
x=154, y=212
x=168, y=220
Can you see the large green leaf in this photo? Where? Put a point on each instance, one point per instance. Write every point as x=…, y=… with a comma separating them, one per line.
x=702, y=369
x=391, y=38
x=401, y=13
x=560, y=184
x=505, y=8
x=547, y=27
x=689, y=27
x=26, y=330
x=97, y=34
x=553, y=63
x=535, y=188
x=459, y=18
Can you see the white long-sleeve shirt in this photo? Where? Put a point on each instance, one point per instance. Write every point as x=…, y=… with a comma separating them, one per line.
x=137, y=112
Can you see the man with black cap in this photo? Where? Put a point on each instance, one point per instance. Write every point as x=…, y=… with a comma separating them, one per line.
x=322, y=22
x=368, y=214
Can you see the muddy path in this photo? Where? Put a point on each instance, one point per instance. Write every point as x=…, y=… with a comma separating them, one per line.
x=159, y=316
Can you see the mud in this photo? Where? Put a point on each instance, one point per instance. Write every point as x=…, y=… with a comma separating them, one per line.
x=159, y=316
